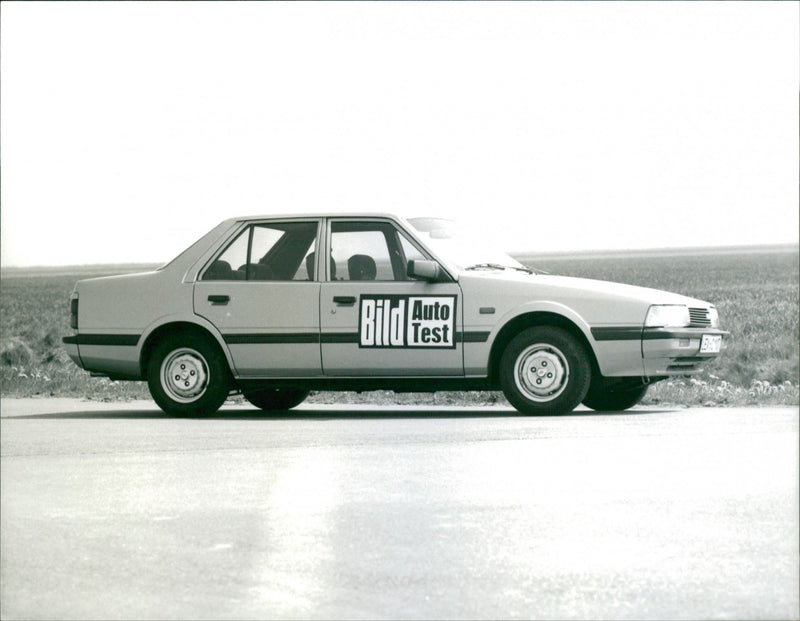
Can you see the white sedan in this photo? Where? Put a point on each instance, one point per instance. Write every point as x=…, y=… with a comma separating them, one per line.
x=276, y=306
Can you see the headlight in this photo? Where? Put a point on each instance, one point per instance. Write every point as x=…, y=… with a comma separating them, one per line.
x=713, y=315
x=667, y=316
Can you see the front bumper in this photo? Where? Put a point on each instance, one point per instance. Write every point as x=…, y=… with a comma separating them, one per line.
x=677, y=352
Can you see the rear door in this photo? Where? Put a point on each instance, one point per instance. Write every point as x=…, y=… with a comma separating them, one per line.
x=375, y=320
x=260, y=292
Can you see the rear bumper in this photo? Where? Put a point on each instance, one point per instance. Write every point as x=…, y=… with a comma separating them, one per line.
x=71, y=347
x=115, y=356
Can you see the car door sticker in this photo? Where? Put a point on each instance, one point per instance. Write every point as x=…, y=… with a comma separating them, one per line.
x=407, y=321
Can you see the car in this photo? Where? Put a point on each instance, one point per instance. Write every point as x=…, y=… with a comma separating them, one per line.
x=273, y=307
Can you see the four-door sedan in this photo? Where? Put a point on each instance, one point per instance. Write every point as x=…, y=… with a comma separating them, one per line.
x=277, y=306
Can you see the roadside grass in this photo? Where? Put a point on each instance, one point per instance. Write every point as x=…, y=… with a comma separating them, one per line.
x=34, y=316
x=756, y=294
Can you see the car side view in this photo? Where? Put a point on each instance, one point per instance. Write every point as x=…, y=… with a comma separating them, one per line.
x=276, y=306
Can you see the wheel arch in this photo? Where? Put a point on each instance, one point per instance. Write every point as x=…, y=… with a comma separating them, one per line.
x=537, y=318
x=157, y=333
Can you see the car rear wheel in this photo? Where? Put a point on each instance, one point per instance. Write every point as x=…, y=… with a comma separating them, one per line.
x=544, y=370
x=609, y=400
x=271, y=399
x=188, y=376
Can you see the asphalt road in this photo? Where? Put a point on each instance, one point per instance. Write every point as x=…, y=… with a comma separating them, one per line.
x=114, y=511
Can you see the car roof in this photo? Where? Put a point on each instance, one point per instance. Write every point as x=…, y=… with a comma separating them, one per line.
x=320, y=214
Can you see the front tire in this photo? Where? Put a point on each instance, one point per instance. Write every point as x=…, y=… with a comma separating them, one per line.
x=609, y=400
x=188, y=376
x=544, y=370
x=271, y=399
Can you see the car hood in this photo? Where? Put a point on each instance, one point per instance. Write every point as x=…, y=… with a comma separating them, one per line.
x=555, y=286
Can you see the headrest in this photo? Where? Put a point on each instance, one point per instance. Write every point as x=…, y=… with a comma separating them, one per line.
x=361, y=267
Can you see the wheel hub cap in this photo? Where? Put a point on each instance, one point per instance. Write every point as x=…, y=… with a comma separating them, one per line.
x=184, y=375
x=541, y=372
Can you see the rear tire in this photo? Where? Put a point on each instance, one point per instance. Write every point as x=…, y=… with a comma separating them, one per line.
x=188, y=376
x=544, y=370
x=271, y=399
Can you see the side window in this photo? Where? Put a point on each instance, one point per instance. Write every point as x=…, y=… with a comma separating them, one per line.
x=275, y=251
x=361, y=255
x=225, y=267
x=366, y=251
x=410, y=251
x=370, y=251
x=306, y=269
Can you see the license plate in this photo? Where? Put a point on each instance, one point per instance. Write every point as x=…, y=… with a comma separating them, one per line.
x=710, y=344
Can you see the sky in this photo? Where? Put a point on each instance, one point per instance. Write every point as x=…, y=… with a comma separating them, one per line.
x=130, y=129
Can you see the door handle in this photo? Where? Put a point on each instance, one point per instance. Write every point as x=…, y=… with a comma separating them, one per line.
x=344, y=300
x=219, y=300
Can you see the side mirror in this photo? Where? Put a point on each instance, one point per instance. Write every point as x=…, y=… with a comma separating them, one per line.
x=426, y=270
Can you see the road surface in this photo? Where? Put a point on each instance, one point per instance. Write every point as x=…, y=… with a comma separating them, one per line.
x=114, y=511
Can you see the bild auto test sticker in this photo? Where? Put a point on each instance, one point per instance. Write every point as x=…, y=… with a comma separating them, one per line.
x=426, y=321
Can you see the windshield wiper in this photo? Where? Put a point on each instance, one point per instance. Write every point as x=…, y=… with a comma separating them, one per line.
x=486, y=266
x=498, y=266
x=522, y=268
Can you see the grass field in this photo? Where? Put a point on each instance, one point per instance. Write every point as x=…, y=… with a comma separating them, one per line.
x=755, y=290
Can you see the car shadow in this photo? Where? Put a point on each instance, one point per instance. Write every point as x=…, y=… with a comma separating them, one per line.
x=323, y=413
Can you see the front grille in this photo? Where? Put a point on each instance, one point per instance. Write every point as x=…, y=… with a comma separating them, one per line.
x=684, y=363
x=686, y=368
x=698, y=318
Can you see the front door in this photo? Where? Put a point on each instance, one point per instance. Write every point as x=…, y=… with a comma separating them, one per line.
x=375, y=320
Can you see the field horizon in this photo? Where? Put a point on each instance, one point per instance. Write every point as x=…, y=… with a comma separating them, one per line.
x=12, y=271
x=755, y=289
x=684, y=251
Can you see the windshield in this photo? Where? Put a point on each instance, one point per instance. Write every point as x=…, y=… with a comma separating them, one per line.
x=464, y=247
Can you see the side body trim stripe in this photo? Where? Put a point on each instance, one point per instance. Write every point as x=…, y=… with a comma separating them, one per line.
x=130, y=340
x=263, y=339
x=333, y=337
x=472, y=337
x=617, y=333
x=329, y=338
x=127, y=340
x=622, y=333
x=652, y=334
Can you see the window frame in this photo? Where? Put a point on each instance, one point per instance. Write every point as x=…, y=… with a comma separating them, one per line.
x=391, y=230
x=248, y=227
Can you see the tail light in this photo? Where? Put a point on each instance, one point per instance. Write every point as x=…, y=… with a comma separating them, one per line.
x=73, y=312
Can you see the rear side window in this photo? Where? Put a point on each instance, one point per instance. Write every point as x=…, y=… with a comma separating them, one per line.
x=272, y=251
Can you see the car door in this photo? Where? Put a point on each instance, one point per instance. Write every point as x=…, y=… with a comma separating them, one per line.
x=374, y=319
x=260, y=292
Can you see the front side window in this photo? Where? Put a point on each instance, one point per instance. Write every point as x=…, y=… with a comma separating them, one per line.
x=274, y=251
x=369, y=251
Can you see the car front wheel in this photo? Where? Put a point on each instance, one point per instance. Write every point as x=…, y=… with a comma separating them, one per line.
x=188, y=376
x=614, y=400
x=544, y=370
x=271, y=399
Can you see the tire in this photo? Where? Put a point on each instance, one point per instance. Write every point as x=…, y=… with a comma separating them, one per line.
x=544, y=370
x=271, y=399
x=188, y=375
x=603, y=399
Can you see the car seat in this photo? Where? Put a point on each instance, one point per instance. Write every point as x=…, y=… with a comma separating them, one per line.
x=219, y=270
x=361, y=267
x=311, y=261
